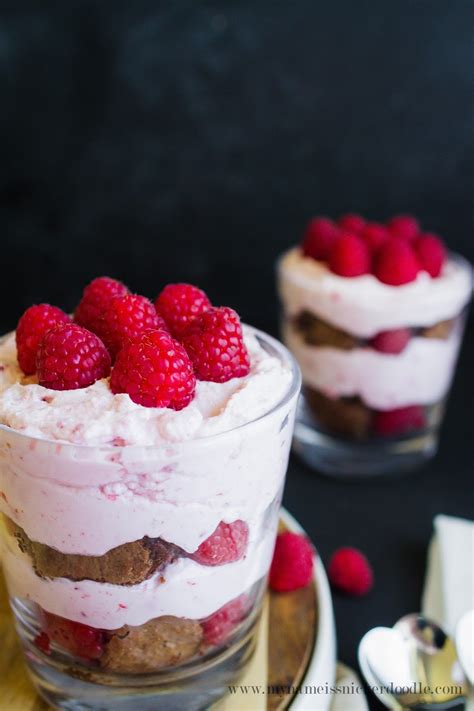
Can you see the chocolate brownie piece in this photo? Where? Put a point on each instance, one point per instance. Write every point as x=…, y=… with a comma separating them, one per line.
x=162, y=642
x=319, y=333
x=442, y=329
x=128, y=564
x=348, y=417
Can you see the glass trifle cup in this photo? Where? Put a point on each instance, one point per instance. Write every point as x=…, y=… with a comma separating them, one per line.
x=377, y=358
x=136, y=573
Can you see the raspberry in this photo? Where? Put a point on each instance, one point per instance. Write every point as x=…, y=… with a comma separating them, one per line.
x=154, y=369
x=43, y=642
x=125, y=318
x=71, y=357
x=396, y=263
x=95, y=299
x=319, y=238
x=350, y=256
x=218, y=627
x=179, y=304
x=400, y=420
x=77, y=638
x=32, y=326
x=350, y=571
x=403, y=227
x=391, y=341
x=431, y=253
x=352, y=223
x=374, y=235
x=292, y=564
x=226, y=545
x=214, y=342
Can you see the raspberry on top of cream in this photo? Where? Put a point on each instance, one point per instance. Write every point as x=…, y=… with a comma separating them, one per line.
x=95, y=415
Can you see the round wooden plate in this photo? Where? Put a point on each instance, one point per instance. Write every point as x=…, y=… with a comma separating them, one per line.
x=301, y=645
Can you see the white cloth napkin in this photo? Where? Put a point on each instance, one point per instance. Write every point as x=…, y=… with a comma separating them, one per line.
x=449, y=581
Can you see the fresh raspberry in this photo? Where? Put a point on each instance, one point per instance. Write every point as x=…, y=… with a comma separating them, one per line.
x=396, y=263
x=400, y=420
x=391, y=341
x=219, y=626
x=155, y=370
x=95, y=299
x=350, y=571
x=43, y=642
x=78, y=639
x=319, y=238
x=179, y=304
x=352, y=223
x=227, y=544
x=214, y=342
x=431, y=253
x=71, y=357
x=350, y=256
x=32, y=326
x=403, y=227
x=125, y=318
x=374, y=235
x=292, y=564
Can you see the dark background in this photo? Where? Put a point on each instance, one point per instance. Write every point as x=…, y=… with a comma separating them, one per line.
x=157, y=142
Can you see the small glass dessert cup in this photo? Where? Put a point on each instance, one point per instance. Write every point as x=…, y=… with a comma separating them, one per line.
x=377, y=358
x=120, y=596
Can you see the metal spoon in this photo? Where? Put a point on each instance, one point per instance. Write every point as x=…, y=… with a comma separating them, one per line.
x=411, y=665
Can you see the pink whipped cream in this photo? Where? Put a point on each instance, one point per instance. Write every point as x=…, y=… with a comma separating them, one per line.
x=85, y=471
x=363, y=306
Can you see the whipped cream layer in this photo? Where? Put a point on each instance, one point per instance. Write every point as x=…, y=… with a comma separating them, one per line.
x=420, y=375
x=89, y=499
x=183, y=589
x=95, y=416
x=363, y=306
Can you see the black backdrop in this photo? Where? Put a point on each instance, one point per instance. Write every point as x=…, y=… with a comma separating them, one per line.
x=191, y=140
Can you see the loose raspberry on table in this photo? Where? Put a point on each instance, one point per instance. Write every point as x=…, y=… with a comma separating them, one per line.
x=399, y=420
x=352, y=223
x=431, y=253
x=396, y=263
x=71, y=357
x=350, y=256
x=125, y=318
x=319, y=238
x=179, y=304
x=155, y=370
x=227, y=544
x=350, y=571
x=374, y=235
x=292, y=564
x=95, y=299
x=78, y=639
x=32, y=326
x=218, y=627
x=403, y=227
x=214, y=341
x=393, y=342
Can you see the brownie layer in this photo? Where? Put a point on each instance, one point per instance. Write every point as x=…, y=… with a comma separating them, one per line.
x=128, y=564
x=316, y=332
x=163, y=642
x=352, y=419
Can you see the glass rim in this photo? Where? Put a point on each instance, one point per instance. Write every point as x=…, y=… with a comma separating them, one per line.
x=293, y=389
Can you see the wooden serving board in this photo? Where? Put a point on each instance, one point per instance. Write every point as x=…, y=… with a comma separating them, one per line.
x=289, y=625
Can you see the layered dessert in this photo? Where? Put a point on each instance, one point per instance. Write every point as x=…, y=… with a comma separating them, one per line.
x=374, y=314
x=143, y=450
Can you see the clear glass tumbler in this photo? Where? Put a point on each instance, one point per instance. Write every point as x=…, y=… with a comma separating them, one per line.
x=377, y=363
x=96, y=543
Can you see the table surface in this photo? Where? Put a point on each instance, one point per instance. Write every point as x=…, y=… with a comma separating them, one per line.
x=390, y=520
